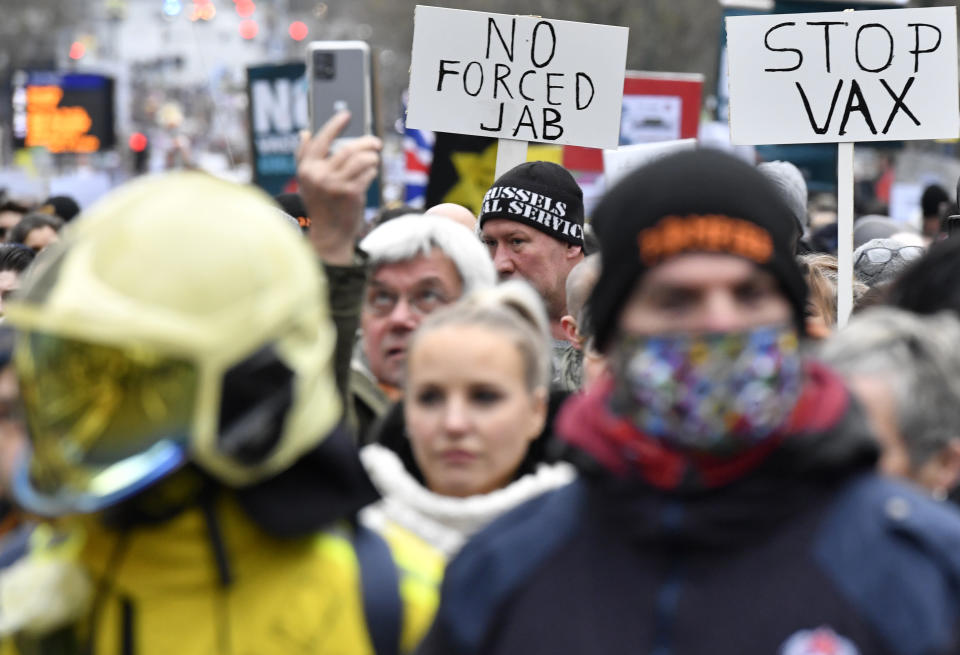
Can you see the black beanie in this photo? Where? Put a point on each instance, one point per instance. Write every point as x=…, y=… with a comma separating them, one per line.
x=540, y=194
x=63, y=206
x=694, y=201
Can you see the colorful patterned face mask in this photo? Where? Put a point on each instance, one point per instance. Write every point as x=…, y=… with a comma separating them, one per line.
x=716, y=393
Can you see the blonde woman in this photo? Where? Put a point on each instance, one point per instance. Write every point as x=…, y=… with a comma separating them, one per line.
x=468, y=446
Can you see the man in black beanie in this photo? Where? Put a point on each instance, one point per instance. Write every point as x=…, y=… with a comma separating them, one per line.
x=726, y=502
x=532, y=223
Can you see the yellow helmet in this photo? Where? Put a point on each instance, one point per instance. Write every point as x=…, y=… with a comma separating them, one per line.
x=179, y=320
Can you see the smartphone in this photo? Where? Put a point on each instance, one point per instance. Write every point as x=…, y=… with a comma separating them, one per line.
x=340, y=78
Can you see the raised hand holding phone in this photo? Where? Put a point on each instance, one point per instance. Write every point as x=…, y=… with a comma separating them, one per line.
x=334, y=187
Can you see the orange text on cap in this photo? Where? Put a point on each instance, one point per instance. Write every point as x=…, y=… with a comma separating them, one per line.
x=673, y=235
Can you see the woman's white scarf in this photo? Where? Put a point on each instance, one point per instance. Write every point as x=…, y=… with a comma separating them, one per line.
x=446, y=522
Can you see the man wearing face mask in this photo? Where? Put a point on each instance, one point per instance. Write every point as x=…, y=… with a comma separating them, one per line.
x=727, y=500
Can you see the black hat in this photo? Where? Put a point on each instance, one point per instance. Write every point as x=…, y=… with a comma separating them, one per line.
x=695, y=201
x=540, y=194
x=933, y=196
x=63, y=206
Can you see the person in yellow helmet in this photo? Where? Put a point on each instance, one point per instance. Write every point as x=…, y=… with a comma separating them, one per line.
x=176, y=355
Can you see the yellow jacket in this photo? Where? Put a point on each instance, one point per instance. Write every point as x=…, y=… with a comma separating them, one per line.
x=159, y=589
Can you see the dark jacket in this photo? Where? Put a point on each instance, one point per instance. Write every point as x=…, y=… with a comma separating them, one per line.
x=802, y=550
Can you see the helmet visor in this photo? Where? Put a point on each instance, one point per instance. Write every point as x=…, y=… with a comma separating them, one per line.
x=104, y=421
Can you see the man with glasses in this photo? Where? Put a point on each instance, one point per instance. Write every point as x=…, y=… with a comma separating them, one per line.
x=879, y=261
x=417, y=264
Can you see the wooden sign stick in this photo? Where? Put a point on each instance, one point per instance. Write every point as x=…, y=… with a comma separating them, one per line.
x=510, y=153
x=844, y=233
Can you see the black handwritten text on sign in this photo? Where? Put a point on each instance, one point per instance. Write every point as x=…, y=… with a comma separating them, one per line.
x=517, y=77
x=843, y=77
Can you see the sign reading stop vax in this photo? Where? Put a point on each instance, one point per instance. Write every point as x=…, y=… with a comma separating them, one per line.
x=516, y=77
x=843, y=77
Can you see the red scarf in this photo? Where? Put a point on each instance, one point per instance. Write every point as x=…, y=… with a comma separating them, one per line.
x=587, y=423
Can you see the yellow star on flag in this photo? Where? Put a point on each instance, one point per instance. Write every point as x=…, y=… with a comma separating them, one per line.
x=476, y=172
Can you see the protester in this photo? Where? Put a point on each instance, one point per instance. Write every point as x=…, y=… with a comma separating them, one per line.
x=64, y=207
x=820, y=273
x=722, y=475
x=878, y=262
x=905, y=369
x=11, y=213
x=580, y=283
x=932, y=203
x=187, y=429
x=457, y=213
x=14, y=260
x=932, y=283
x=532, y=223
x=468, y=444
x=788, y=179
x=36, y=231
x=417, y=265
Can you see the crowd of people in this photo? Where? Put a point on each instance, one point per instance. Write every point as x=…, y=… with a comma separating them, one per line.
x=238, y=424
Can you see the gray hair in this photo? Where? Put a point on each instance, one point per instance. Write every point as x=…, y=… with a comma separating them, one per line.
x=513, y=308
x=918, y=357
x=415, y=235
x=789, y=181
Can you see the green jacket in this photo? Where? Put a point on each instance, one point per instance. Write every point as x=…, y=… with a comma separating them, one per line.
x=345, y=288
x=364, y=400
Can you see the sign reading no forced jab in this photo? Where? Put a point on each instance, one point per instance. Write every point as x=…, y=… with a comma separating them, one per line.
x=517, y=77
x=843, y=76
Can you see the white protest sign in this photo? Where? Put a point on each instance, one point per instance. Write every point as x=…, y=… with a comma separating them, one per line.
x=516, y=77
x=885, y=75
x=617, y=163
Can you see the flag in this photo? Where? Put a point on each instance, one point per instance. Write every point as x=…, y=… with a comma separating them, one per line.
x=418, y=155
x=463, y=168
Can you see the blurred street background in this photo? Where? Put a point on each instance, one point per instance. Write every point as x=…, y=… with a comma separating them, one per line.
x=170, y=83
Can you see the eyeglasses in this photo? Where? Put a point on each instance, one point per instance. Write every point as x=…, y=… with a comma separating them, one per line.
x=881, y=254
x=381, y=301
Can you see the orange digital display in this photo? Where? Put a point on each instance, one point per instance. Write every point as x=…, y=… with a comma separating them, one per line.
x=59, y=129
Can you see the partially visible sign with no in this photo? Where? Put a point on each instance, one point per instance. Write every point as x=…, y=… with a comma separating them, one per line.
x=277, y=96
x=884, y=75
x=516, y=77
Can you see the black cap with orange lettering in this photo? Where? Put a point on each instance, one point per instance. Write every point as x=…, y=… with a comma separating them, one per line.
x=701, y=201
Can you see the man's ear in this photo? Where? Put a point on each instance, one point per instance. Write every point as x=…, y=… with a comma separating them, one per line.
x=569, y=326
x=574, y=251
